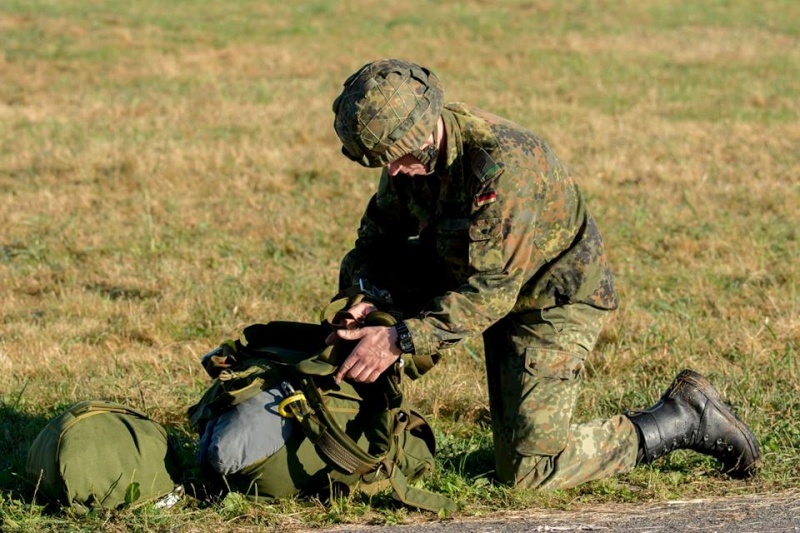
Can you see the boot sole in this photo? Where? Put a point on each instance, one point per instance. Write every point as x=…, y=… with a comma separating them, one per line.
x=698, y=381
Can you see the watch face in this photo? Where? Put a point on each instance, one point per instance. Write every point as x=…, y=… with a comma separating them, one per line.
x=404, y=341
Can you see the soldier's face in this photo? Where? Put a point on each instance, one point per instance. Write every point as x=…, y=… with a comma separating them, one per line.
x=407, y=165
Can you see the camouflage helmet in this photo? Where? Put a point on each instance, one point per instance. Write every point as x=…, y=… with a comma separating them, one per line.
x=386, y=110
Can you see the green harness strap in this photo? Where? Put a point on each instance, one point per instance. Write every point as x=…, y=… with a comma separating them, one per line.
x=343, y=451
x=423, y=499
x=325, y=432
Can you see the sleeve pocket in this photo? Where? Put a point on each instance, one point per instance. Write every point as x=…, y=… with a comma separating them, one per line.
x=485, y=229
x=486, y=245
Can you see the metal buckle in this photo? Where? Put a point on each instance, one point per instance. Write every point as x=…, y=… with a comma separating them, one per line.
x=374, y=292
x=294, y=405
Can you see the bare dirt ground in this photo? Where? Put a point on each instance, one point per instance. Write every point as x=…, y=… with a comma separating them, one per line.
x=759, y=514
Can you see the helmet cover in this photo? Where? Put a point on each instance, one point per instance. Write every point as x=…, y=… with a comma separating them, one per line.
x=386, y=110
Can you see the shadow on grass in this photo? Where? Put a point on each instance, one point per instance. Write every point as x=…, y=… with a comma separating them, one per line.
x=469, y=450
x=185, y=470
x=19, y=429
x=477, y=464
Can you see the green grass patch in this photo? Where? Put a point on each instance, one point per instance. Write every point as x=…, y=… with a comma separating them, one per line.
x=169, y=174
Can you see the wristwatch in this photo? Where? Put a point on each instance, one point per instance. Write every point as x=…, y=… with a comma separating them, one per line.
x=404, y=341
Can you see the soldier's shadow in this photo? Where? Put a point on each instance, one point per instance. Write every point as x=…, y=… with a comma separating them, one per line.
x=478, y=464
x=477, y=460
x=18, y=429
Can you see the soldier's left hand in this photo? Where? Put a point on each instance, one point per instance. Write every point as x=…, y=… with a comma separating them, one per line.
x=376, y=351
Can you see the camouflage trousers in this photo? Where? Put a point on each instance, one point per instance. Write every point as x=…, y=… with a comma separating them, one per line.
x=534, y=367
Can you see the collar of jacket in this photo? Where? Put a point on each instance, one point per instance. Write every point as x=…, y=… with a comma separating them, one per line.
x=466, y=135
x=463, y=129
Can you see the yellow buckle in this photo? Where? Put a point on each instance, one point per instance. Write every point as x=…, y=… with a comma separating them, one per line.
x=289, y=408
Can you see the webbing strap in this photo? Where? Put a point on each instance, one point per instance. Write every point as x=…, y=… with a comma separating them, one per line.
x=333, y=447
x=340, y=455
x=420, y=498
x=332, y=440
x=425, y=362
x=402, y=490
x=340, y=452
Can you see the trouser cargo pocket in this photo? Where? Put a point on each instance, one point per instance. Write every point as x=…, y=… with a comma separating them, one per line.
x=549, y=391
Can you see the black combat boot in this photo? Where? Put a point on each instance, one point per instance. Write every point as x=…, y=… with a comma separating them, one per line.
x=690, y=415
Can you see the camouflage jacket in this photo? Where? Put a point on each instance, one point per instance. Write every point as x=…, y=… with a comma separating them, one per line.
x=507, y=220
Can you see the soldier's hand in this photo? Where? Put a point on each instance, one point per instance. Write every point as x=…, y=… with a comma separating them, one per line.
x=358, y=313
x=376, y=351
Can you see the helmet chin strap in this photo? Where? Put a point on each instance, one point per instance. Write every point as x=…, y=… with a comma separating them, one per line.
x=428, y=155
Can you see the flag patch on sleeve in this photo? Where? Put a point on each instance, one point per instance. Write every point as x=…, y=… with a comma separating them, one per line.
x=485, y=198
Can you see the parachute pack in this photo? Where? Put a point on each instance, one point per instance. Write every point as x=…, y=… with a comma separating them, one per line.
x=363, y=436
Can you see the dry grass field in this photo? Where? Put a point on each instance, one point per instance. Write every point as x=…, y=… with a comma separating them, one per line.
x=169, y=174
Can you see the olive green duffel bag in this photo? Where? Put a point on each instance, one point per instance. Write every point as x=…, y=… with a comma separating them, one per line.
x=100, y=454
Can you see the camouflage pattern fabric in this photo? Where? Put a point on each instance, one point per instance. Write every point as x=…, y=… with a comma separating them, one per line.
x=502, y=217
x=534, y=366
x=535, y=369
x=503, y=244
x=386, y=110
